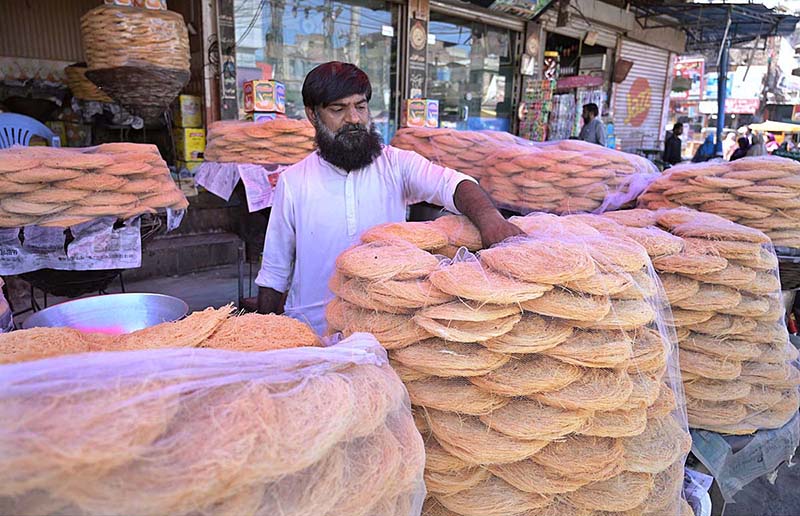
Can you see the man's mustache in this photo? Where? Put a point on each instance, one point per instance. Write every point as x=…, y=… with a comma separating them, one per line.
x=351, y=128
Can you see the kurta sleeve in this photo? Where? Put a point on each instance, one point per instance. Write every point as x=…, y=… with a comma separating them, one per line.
x=426, y=181
x=277, y=262
x=601, y=134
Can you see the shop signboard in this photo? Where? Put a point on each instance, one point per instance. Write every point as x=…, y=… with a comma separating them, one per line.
x=732, y=106
x=639, y=102
x=528, y=9
x=417, y=57
x=579, y=81
x=691, y=69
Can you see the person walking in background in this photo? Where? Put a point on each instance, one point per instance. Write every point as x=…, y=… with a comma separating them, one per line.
x=757, y=148
x=593, y=130
x=705, y=152
x=741, y=152
x=728, y=146
x=672, y=147
x=772, y=144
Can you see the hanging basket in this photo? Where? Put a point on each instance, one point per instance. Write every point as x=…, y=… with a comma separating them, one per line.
x=116, y=36
x=144, y=91
x=81, y=87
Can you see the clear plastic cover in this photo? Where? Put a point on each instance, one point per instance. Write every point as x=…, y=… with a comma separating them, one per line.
x=567, y=176
x=723, y=285
x=542, y=371
x=323, y=431
x=759, y=192
x=281, y=142
x=61, y=187
x=116, y=36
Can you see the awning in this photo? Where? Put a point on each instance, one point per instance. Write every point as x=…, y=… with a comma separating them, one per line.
x=776, y=127
x=706, y=24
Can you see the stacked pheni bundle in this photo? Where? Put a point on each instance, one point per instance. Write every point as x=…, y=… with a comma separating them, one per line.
x=282, y=142
x=51, y=186
x=721, y=280
x=760, y=192
x=210, y=415
x=556, y=177
x=540, y=370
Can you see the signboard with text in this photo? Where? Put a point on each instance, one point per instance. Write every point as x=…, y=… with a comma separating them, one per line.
x=691, y=69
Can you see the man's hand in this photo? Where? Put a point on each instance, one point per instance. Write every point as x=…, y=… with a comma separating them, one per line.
x=270, y=301
x=472, y=201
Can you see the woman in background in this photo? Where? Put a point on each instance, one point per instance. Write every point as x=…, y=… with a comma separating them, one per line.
x=741, y=152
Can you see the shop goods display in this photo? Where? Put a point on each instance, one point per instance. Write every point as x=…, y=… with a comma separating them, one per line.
x=760, y=192
x=60, y=187
x=139, y=57
x=282, y=141
x=565, y=176
x=81, y=87
x=540, y=370
x=735, y=354
x=204, y=423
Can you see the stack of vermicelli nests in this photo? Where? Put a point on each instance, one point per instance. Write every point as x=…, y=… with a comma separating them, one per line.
x=183, y=424
x=538, y=369
x=722, y=283
x=274, y=142
x=760, y=192
x=51, y=186
x=557, y=177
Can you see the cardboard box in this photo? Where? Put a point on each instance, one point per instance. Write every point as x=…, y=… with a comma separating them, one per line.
x=420, y=113
x=190, y=143
x=188, y=111
x=258, y=116
x=265, y=96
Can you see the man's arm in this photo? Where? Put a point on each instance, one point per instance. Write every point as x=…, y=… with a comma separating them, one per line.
x=473, y=201
x=601, y=134
x=277, y=262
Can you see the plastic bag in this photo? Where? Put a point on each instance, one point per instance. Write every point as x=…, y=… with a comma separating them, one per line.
x=760, y=192
x=62, y=187
x=324, y=431
x=542, y=371
x=280, y=142
x=728, y=311
x=566, y=176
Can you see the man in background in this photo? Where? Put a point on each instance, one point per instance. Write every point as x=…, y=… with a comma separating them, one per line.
x=672, y=147
x=593, y=130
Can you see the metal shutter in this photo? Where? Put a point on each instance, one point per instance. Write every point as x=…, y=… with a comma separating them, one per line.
x=577, y=28
x=639, y=101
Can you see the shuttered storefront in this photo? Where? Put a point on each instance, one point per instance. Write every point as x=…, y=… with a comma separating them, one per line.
x=639, y=100
x=578, y=27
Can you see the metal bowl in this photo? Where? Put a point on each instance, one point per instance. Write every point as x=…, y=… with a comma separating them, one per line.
x=112, y=314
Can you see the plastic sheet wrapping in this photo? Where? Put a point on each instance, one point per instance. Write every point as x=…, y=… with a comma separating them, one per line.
x=62, y=187
x=733, y=470
x=279, y=142
x=759, y=192
x=566, y=176
x=723, y=285
x=542, y=371
x=323, y=431
x=122, y=36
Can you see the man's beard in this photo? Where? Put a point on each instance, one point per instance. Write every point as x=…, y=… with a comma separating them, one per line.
x=352, y=147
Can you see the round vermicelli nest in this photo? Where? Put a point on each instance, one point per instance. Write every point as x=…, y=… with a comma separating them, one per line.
x=709, y=366
x=665, y=403
x=406, y=294
x=724, y=348
x=530, y=477
x=711, y=298
x=459, y=310
x=678, y=287
x=716, y=390
x=783, y=376
x=546, y=261
x=654, y=450
x=623, y=492
x=529, y=375
x=702, y=413
x=583, y=457
x=752, y=306
x=455, y=481
x=423, y=235
x=602, y=284
x=438, y=460
x=531, y=334
x=617, y=254
x=446, y=359
x=649, y=352
x=392, y=331
x=667, y=488
x=256, y=332
x=597, y=389
x=615, y=423
x=386, y=260
x=645, y=390
x=454, y=395
x=460, y=231
x=493, y=497
x=734, y=276
x=594, y=349
x=468, y=331
x=528, y=419
x=353, y=290
x=469, y=280
x=721, y=324
x=565, y=304
x=471, y=440
x=688, y=318
x=623, y=315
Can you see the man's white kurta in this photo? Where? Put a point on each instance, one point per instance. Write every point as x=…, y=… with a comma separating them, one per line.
x=319, y=210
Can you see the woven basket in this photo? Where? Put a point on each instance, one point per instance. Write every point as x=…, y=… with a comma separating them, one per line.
x=81, y=87
x=125, y=36
x=144, y=91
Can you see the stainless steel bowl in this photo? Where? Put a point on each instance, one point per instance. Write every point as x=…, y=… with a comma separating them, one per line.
x=113, y=314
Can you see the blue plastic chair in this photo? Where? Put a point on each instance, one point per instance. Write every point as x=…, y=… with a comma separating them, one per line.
x=18, y=129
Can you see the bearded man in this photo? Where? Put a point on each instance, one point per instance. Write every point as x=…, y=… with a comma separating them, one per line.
x=351, y=183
